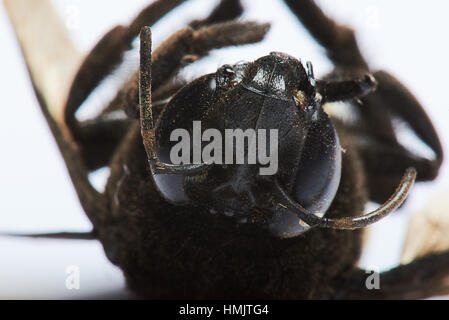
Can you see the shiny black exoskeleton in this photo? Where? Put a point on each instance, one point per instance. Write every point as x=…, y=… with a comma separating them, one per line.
x=274, y=92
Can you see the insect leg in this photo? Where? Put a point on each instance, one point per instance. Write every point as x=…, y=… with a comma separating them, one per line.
x=179, y=49
x=108, y=53
x=332, y=91
x=342, y=48
x=392, y=99
x=339, y=41
x=375, y=133
x=98, y=138
x=399, y=100
x=169, y=58
x=225, y=11
x=422, y=278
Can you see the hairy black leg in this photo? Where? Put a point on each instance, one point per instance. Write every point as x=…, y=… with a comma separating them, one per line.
x=103, y=135
x=384, y=157
x=401, y=102
x=342, y=48
x=169, y=57
x=226, y=10
x=346, y=89
x=339, y=41
x=189, y=44
x=108, y=53
x=99, y=137
x=422, y=278
x=172, y=55
x=179, y=49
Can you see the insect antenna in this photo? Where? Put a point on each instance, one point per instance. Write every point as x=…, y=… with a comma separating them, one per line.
x=351, y=223
x=61, y=235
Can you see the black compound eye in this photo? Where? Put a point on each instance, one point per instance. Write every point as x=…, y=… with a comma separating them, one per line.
x=319, y=171
x=317, y=179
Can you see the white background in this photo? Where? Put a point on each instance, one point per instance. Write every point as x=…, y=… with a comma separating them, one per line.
x=408, y=38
